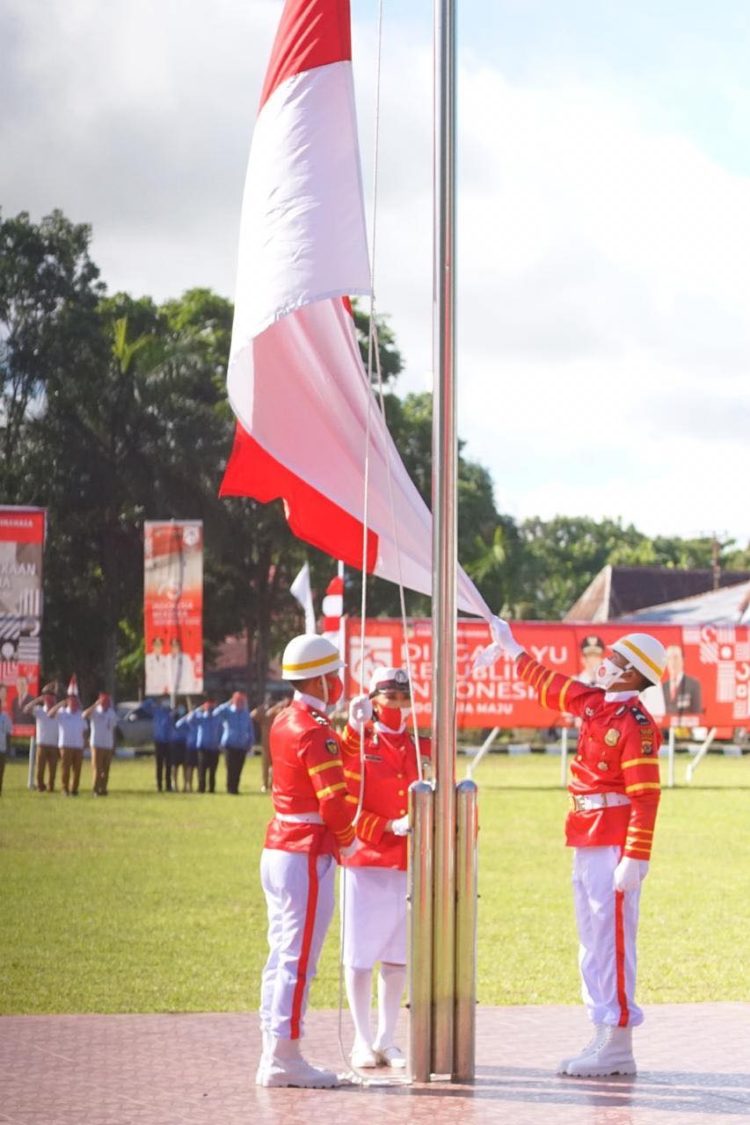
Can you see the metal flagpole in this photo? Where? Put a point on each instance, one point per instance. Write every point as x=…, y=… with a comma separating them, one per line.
x=444, y=475
x=419, y=916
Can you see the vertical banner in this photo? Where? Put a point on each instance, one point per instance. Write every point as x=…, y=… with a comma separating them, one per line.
x=22, y=532
x=173, y=607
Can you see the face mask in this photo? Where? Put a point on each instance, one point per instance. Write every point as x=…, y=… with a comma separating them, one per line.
x=608, y=673
x=334, y=689
x=392, y=717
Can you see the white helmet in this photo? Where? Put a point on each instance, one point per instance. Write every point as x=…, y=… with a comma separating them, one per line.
x=309, y=655
x=647, y=655
x=389, y=679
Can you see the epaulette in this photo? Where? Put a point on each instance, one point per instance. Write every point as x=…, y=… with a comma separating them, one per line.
x=639, y=715
x=320, y=719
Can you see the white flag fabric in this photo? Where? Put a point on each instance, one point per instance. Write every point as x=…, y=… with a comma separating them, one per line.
x=296, y=381
x=302, y=591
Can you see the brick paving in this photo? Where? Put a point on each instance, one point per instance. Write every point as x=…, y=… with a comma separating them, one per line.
x=694, y=1062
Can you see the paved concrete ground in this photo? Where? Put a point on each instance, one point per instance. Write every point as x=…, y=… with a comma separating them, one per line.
x=694, y=1065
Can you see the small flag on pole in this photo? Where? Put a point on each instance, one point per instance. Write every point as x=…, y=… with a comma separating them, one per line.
x=301, y=590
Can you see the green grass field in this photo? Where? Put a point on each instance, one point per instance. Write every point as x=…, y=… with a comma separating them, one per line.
x=149, y=902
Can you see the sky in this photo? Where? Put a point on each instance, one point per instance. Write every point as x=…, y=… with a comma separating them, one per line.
x=603, y=214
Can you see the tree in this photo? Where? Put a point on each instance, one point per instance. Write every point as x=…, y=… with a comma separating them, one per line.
x=481, y=530
x=562, y=555
x=49, y=291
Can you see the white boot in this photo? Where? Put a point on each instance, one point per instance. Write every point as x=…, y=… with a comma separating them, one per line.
x=283, y=1065
x=391, y=984
x=358, y=993
x=264, y=1056
x=614, y=1055
x=600, y=1033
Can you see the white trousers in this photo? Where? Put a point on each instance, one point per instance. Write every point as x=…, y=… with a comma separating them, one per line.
x=373, y=916
x=299, y=890
x=607, y=927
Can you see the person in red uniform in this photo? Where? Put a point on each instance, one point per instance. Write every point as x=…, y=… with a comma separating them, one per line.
x=614, y=791
x=373, y=888
x=311, y=829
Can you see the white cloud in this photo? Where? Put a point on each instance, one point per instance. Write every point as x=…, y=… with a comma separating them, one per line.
x=604, y=262
x=604, y=282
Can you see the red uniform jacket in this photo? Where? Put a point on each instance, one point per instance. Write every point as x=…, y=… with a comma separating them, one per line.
x=308, y=777
x=390, y=768
x=618, y=747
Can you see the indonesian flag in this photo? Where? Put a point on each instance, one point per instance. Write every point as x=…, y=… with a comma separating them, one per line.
x=296, y=380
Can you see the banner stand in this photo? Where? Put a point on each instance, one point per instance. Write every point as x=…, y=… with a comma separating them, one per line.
x=32, y=762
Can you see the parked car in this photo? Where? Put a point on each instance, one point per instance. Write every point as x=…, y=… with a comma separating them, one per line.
x=135, y=719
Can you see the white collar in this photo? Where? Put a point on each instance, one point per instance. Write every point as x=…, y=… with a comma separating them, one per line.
x=389, y=730
x=311, y=701
x=619, y=696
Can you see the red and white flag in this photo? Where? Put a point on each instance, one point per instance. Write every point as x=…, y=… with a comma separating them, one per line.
x=296, y=380
x=333, y=611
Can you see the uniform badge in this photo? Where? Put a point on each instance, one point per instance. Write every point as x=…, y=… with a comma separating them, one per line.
x=620, y=711
x=612, y=737
x=332, y=746
x=602, y=766
x=647, y=747
x=588, y=712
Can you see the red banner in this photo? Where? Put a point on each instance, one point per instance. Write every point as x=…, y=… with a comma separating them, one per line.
x=173, y=607
x=21, y=549
x=706, y=684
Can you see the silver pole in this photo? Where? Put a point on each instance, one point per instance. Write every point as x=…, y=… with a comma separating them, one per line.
x=419, y=926
x=466, y=931
x=30, y=782
x=670, y=756
x=705, y=747
x=482, y=751
x=444, y=463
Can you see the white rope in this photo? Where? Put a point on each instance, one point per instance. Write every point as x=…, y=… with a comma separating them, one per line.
x=404, y=622
x=373, y=353
x=365, y=504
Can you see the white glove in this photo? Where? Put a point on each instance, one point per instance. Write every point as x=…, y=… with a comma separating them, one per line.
x=504, y=644
x=401, y=827
x=503, y=636
x=350, y=849
x=360, y=712
x=629, y=873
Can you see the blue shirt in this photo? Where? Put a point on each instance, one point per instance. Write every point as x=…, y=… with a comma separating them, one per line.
x=204, y=728
x=162, y=724
x=237, y=730
x=175, y=733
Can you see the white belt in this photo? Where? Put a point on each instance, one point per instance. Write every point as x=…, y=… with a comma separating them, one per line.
x=597, y=801
x=300, y=817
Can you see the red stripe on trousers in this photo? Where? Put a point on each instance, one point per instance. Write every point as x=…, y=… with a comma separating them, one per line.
x=307, y=936
x=620, y=958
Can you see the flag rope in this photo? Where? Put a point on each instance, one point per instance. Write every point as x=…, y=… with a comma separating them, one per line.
x=373, y=358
